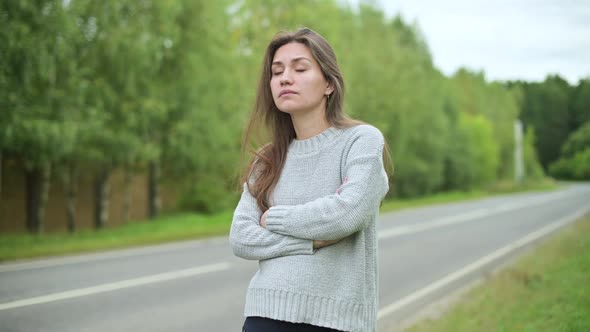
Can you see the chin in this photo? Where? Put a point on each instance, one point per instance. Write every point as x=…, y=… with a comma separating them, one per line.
x=288, y=110
x=292, y=108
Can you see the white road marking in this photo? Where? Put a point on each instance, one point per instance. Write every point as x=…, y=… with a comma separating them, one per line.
x=116, y=285
x=464, y=217
x=395, y=306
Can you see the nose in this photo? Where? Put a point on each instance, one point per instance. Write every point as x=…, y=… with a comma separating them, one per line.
x=286, y=77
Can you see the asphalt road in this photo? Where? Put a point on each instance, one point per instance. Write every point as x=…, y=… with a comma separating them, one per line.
x=425, y=254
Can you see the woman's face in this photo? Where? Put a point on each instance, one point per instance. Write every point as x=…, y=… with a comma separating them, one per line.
x=297, y=82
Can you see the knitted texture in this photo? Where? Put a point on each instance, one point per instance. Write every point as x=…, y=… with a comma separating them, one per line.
x=330, y=189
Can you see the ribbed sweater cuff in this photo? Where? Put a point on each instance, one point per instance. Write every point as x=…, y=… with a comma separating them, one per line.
x=301, y=247
x=276, y=217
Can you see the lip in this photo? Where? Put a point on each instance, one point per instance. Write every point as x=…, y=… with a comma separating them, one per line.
x=286, y=92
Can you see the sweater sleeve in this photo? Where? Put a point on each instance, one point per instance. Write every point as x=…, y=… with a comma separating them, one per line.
x=347, y=211
x=251, y=241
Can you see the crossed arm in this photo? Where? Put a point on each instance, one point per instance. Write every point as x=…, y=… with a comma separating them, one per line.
x=250, y=239
x=300, y=229
x=286, y=230
x=317, y=244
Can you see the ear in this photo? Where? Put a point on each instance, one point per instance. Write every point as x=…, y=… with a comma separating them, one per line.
x=329, y=89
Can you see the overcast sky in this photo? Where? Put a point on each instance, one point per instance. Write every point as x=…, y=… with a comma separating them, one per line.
x=518, y=39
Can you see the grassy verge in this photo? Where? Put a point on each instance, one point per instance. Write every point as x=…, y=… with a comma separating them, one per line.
x=547, y=290
x=182, y=227
x=440, y=198
x=164, y=229
x=455, y=196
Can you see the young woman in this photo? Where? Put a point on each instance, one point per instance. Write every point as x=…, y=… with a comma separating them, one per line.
x=310, y=197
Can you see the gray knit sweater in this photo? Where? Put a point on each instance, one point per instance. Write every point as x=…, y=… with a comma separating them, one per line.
x=330, y=188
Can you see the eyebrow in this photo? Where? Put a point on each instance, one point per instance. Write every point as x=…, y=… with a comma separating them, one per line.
x=294, y=60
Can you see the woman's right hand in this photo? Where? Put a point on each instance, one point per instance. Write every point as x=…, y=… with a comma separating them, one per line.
x=317, y=244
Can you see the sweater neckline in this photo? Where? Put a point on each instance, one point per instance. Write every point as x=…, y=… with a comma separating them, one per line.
x=315, y=143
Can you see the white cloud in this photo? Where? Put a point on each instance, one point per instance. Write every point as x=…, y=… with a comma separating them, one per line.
x=519, y=39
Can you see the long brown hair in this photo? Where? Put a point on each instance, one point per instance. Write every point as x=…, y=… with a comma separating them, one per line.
x=265, y=167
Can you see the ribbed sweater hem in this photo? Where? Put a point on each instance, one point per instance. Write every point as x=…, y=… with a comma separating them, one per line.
x=310, y=309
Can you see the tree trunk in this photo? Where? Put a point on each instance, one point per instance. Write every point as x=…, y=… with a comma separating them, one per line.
x=37, y=183
x=0, y=174
x=71, y=189
x=154, y=203
x=45, y=184
x=1, y=214
x=102, y=198
x=32, y=196
x=128, y=194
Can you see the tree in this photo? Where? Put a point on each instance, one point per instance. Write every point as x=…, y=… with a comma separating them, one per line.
x=127, y=43
x=580, y=104
x=546, y=108
x=41, y=87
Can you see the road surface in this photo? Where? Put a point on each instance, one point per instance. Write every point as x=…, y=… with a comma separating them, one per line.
x=424, y=254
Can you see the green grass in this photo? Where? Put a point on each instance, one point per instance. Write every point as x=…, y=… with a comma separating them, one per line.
x=183, y=227
x=546, y=290
x=165, y=229
x=498, y=188
x=440, y=198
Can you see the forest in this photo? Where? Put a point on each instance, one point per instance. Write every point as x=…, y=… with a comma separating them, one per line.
x=163, y=88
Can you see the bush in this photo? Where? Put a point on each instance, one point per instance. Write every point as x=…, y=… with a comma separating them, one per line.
x=574, y=163
x=208, y=194
x=574, y=168
x=578, y=141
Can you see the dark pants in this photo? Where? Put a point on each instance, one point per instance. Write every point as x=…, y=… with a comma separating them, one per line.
x=260, y=324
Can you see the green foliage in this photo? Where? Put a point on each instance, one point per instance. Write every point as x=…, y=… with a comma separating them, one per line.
x=474, y=95
x=576, y=167
x=404, y=97
x=532, y=167
x=578, y=141
x=575, y=161
x=580, y=104
x=208, y=194
x=473, y=158
x=123, y=84
x=40, y=81
x=546, y=108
